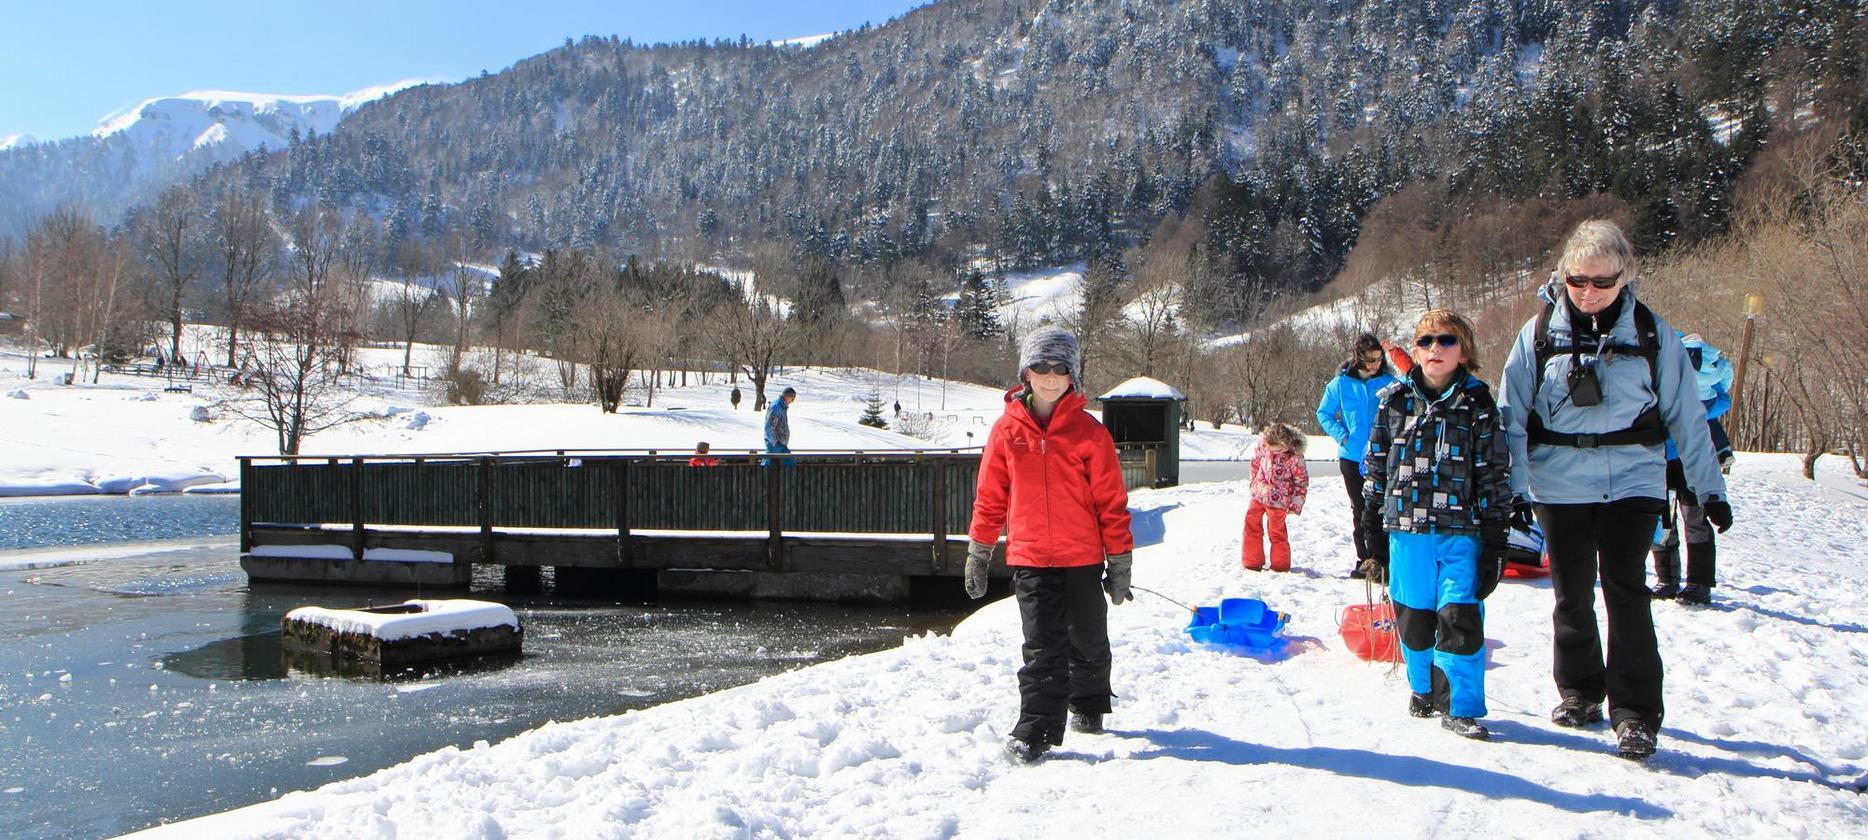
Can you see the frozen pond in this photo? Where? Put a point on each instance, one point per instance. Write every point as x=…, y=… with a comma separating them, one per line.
x=40, y=521
x=152, y=688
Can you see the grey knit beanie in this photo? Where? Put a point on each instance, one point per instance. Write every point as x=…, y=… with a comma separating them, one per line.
x=1052, y=345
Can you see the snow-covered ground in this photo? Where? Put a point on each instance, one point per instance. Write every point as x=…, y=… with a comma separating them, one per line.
x=128, y=432
x=1764, y=735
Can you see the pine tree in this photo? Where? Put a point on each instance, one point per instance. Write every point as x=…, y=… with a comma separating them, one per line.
x=872, y=412
x=977, y=307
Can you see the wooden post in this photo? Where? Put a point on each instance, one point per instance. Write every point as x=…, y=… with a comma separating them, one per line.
x=623, y=549
x=356, y=508
x=484, y=499
x=940, y=514
x=1754, y=305
x=246, y=504
x=1151, y=465
x=775, y=546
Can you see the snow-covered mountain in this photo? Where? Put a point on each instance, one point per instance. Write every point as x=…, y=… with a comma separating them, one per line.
x=134, y=153
x=171, y=127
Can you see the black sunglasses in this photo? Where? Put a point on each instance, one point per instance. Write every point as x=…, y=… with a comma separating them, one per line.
x=1443, y=339
x=1577, y=282
x=1046, y=367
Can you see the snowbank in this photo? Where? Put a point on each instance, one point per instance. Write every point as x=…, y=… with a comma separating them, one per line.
x=1764, y=735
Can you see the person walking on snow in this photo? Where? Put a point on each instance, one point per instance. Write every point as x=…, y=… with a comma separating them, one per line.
x=1346, y=413
x=1439, y=495
x=1279, y=484
x=1049, y=478
x=1685, y=516
x=1593, y=388
x=778, y=426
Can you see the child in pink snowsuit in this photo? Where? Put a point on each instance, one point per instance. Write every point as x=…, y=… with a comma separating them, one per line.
x=1279, y=484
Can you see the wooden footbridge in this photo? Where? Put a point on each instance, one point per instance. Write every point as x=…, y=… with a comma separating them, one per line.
x=827, y=525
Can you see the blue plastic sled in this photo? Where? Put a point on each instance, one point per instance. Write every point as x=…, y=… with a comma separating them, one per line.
x=1238, y=622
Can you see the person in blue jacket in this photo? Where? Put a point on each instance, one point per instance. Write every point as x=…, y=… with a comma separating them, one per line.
x=1685, y=517
x=778, y=427
x=1346, y=413
x=1593, y=388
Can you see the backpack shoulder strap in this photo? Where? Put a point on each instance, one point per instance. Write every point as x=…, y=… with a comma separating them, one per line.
x=1540, y=355
x=1647, y=340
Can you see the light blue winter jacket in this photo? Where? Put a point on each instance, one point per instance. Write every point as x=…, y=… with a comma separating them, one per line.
x=1573, y=475
x=1347, y=410
x=1713, y=377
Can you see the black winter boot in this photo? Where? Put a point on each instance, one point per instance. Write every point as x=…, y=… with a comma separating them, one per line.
x=1465, y=727
x=1666, y=570
x=1088, y=723
x=1024, y=752
x=1695, y=594
x=1634, y=739
x=1573, y=713
x=1421, y=705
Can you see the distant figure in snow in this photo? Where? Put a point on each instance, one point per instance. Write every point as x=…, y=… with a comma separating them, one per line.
x=734, y=398
x=1439, y=497
x=1279, y=485
x=1346, y=413
x=1049, y=478
x=701, y=457
x=778, y=426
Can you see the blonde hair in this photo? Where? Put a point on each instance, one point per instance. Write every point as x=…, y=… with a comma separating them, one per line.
x=1598, y=238
x=1455, y=323
x=1283, y=436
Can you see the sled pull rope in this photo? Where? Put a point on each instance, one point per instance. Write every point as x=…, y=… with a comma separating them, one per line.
x=1164, y=598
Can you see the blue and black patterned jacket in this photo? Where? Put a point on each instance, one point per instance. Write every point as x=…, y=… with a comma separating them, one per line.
x=1439, y=465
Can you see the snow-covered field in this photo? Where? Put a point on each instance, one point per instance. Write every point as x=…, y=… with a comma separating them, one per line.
x=1764, y=734
x=1763, y=738
x=127, y=432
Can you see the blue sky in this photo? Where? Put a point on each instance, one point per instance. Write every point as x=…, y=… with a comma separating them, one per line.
x=66, y=63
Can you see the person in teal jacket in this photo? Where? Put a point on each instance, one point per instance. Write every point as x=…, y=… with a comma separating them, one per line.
x=1685, y=520
x=1346, y=413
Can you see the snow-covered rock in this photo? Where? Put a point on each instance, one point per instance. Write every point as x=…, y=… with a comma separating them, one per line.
x=18, y=394
x=169, y=481
x=200, y=414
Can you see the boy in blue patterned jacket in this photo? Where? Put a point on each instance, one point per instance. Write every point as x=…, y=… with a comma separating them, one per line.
x=1439, y=486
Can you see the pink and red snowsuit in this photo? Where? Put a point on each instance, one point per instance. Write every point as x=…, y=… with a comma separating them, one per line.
x=1279, y=484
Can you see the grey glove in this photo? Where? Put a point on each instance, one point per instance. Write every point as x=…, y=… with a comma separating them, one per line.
x=978, y=560
x=1116, y=579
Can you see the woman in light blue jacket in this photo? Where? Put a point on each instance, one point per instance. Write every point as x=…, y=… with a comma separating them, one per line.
x=1595, y=386
x=1346, y=413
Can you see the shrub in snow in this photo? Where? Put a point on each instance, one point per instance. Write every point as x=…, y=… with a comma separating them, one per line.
x=19, y=394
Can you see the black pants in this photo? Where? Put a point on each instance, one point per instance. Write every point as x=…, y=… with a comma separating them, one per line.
x=1612, y=539
x=1066, y=624
x=1352, y=481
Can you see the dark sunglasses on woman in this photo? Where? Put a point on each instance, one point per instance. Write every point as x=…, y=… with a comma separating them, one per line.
x=1577, y=281
x=1442, y=339
x=1047, y=367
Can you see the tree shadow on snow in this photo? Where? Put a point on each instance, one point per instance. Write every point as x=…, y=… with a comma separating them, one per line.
x=1406, y=770
x=1695, y=765
x=1784, y=616
x=1147, y=527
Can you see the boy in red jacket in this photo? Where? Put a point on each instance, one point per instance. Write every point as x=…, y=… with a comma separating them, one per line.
x=1050, y=478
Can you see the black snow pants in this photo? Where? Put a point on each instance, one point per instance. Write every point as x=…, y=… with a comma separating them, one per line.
x=1352, y=481
x=1066, y=623
x=1611, y=539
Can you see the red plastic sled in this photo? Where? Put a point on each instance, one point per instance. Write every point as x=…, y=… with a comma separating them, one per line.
x=1370, y=632
x=1523, y=564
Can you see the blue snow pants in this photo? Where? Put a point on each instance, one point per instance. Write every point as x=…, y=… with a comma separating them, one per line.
x=1441, y=623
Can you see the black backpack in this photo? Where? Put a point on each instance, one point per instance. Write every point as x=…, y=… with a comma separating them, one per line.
x=1647, y=429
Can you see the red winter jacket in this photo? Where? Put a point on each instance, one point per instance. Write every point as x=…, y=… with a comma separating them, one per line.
x=1060, y=485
